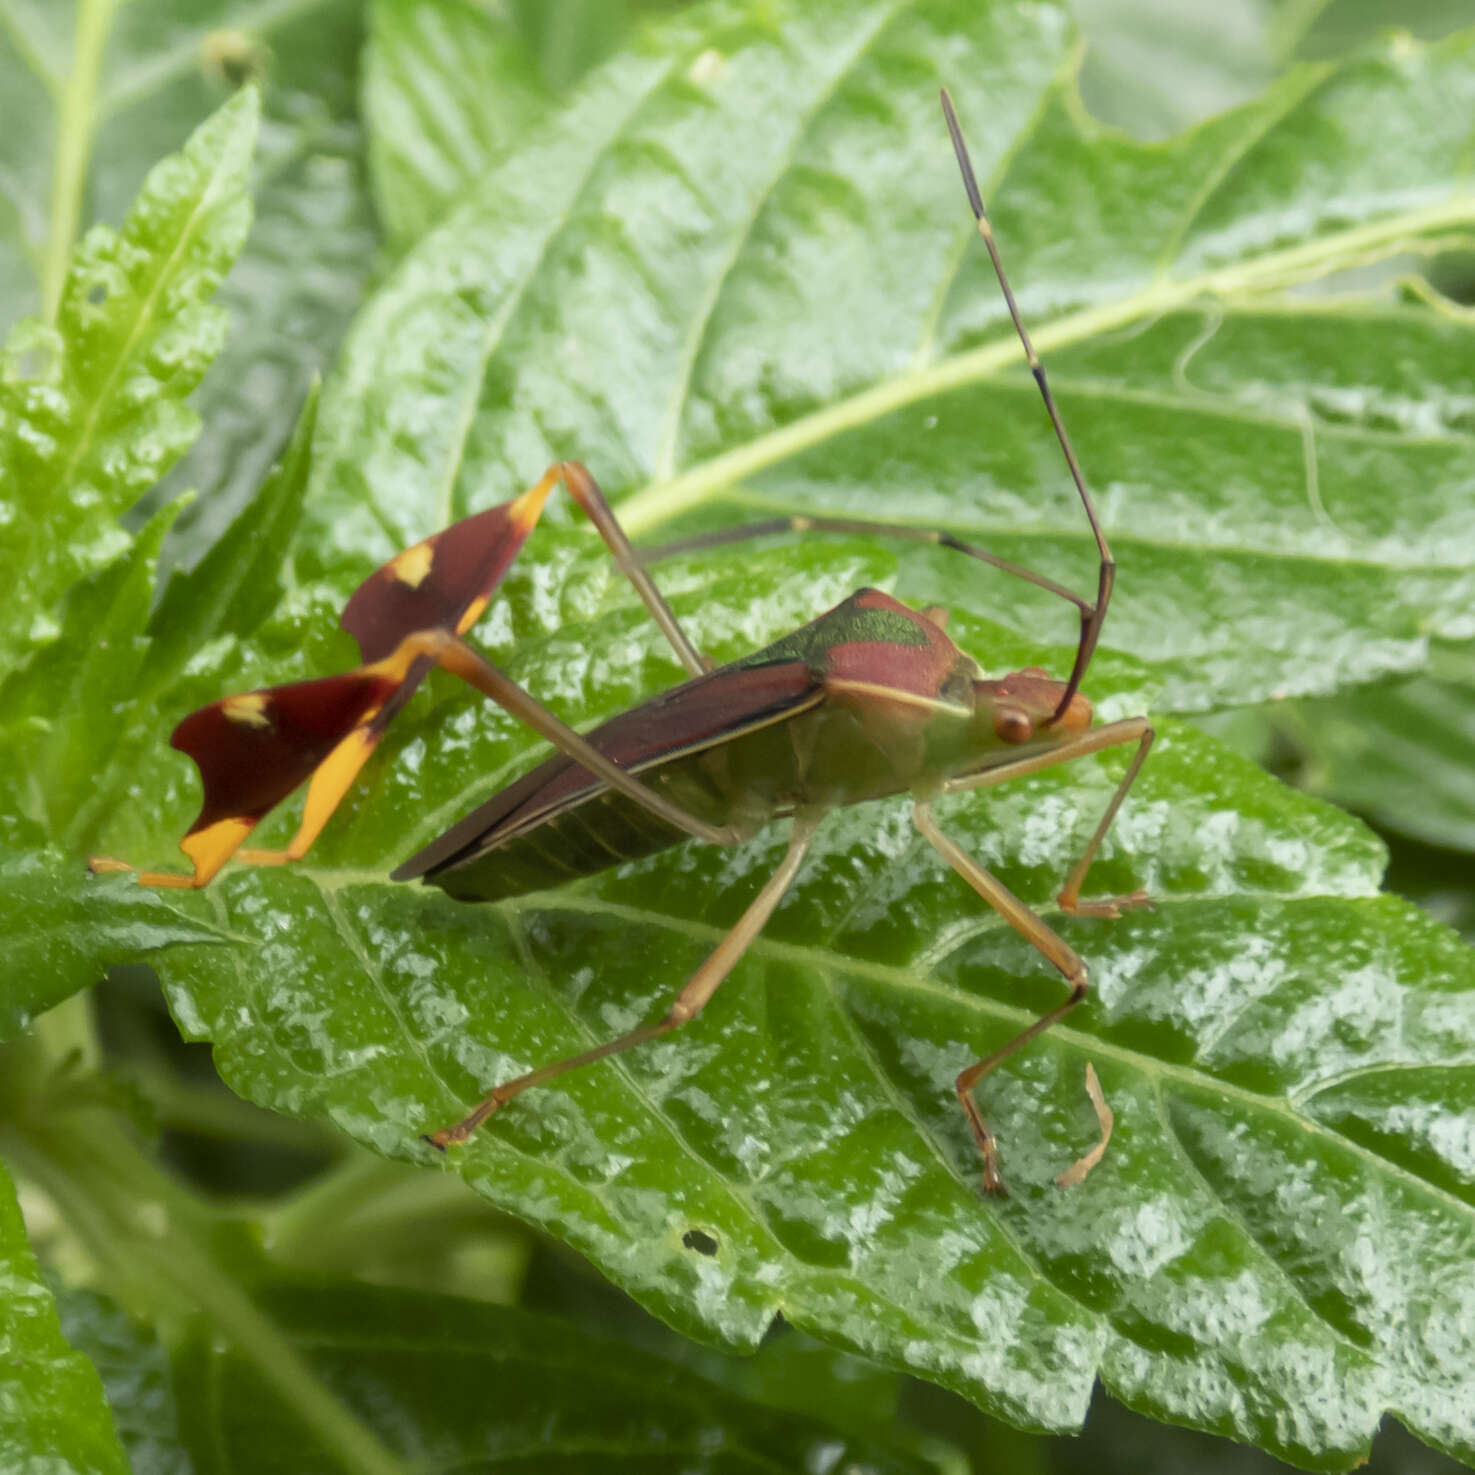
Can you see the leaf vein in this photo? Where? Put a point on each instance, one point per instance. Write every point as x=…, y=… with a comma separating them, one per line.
x=1190, y=1164
x=30, y=54
x=1260, y=124
x=696, y=337
x=661, y=501
x=375, y=976
x=742, y=1200
x=497, y=323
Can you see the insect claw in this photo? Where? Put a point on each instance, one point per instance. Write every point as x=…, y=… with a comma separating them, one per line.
x=459, y=1132
x=1076, y=1173
x=1108, y=907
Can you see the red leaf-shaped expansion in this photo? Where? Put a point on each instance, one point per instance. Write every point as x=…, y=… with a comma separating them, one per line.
x=445, y=582
x=252, y=750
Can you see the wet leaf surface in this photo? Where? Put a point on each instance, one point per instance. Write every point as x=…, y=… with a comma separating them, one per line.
x=1277, y=1245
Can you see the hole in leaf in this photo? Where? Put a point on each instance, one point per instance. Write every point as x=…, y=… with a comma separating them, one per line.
x=701, y=1241
x=97, y=294
x=31, y=364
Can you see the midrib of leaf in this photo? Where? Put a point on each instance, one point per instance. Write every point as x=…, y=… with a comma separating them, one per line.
x=1208, y=405
x=497, y=323
x=327, y=888
x=827, y=964
x=144, y=318
x=659, y=501
x=702, y=318
x=74, y=134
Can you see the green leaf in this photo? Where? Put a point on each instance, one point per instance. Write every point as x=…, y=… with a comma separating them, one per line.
x=805, y=1126
x=92, y=412
x=89, y=102
x=78, y=720
x=61, y=929
x=238, y=584
x=53, y=1416
x=302, y=273
x=495, y=1389
x=802, y=324
x=1400, y=754
x=134, y=1367
x=447, y=88
x=1271, y=1249
x=61, y=723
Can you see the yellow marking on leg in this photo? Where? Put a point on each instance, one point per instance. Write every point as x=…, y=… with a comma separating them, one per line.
x=412, y=566
x=209, y=849
x=332, y=780
x=525, y=510
x=250, y=709
x=473, y=613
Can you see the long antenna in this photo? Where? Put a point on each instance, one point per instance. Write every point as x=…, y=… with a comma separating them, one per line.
x=1092, y=615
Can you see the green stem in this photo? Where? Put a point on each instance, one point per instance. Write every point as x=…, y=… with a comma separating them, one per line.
x=74, y=134
x=366, y=1200
x=327, y=1204
x=69, y=1029
x=149, y=1237
x=209, y=1110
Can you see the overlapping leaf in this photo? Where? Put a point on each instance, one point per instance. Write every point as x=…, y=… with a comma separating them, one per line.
x=803, y=319
x=800, y=323
x=91, y=96
x=455, y=1382
x=52, y=1408
x=134, y=1367
x=92, y=411
x=60, y=938
x=1399, y=753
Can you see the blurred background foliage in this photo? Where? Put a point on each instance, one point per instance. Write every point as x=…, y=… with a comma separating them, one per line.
x=1398, y=754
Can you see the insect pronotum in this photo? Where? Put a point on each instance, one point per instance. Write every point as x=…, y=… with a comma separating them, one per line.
x=870, y=699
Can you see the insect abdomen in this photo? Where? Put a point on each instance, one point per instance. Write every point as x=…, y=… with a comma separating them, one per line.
x=599, y=831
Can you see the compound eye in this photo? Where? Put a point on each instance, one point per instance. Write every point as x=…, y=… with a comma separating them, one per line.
x=1013, y=726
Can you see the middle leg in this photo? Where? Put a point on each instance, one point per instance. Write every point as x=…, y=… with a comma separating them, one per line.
x=685, y=1007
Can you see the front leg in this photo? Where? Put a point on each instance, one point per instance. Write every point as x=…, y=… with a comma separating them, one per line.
x=1055, y=950
x=1128, y=730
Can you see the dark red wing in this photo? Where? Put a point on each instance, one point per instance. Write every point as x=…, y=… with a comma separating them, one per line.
x=694, y=715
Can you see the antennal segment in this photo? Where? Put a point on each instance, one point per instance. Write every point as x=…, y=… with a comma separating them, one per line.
x=1092, y=615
